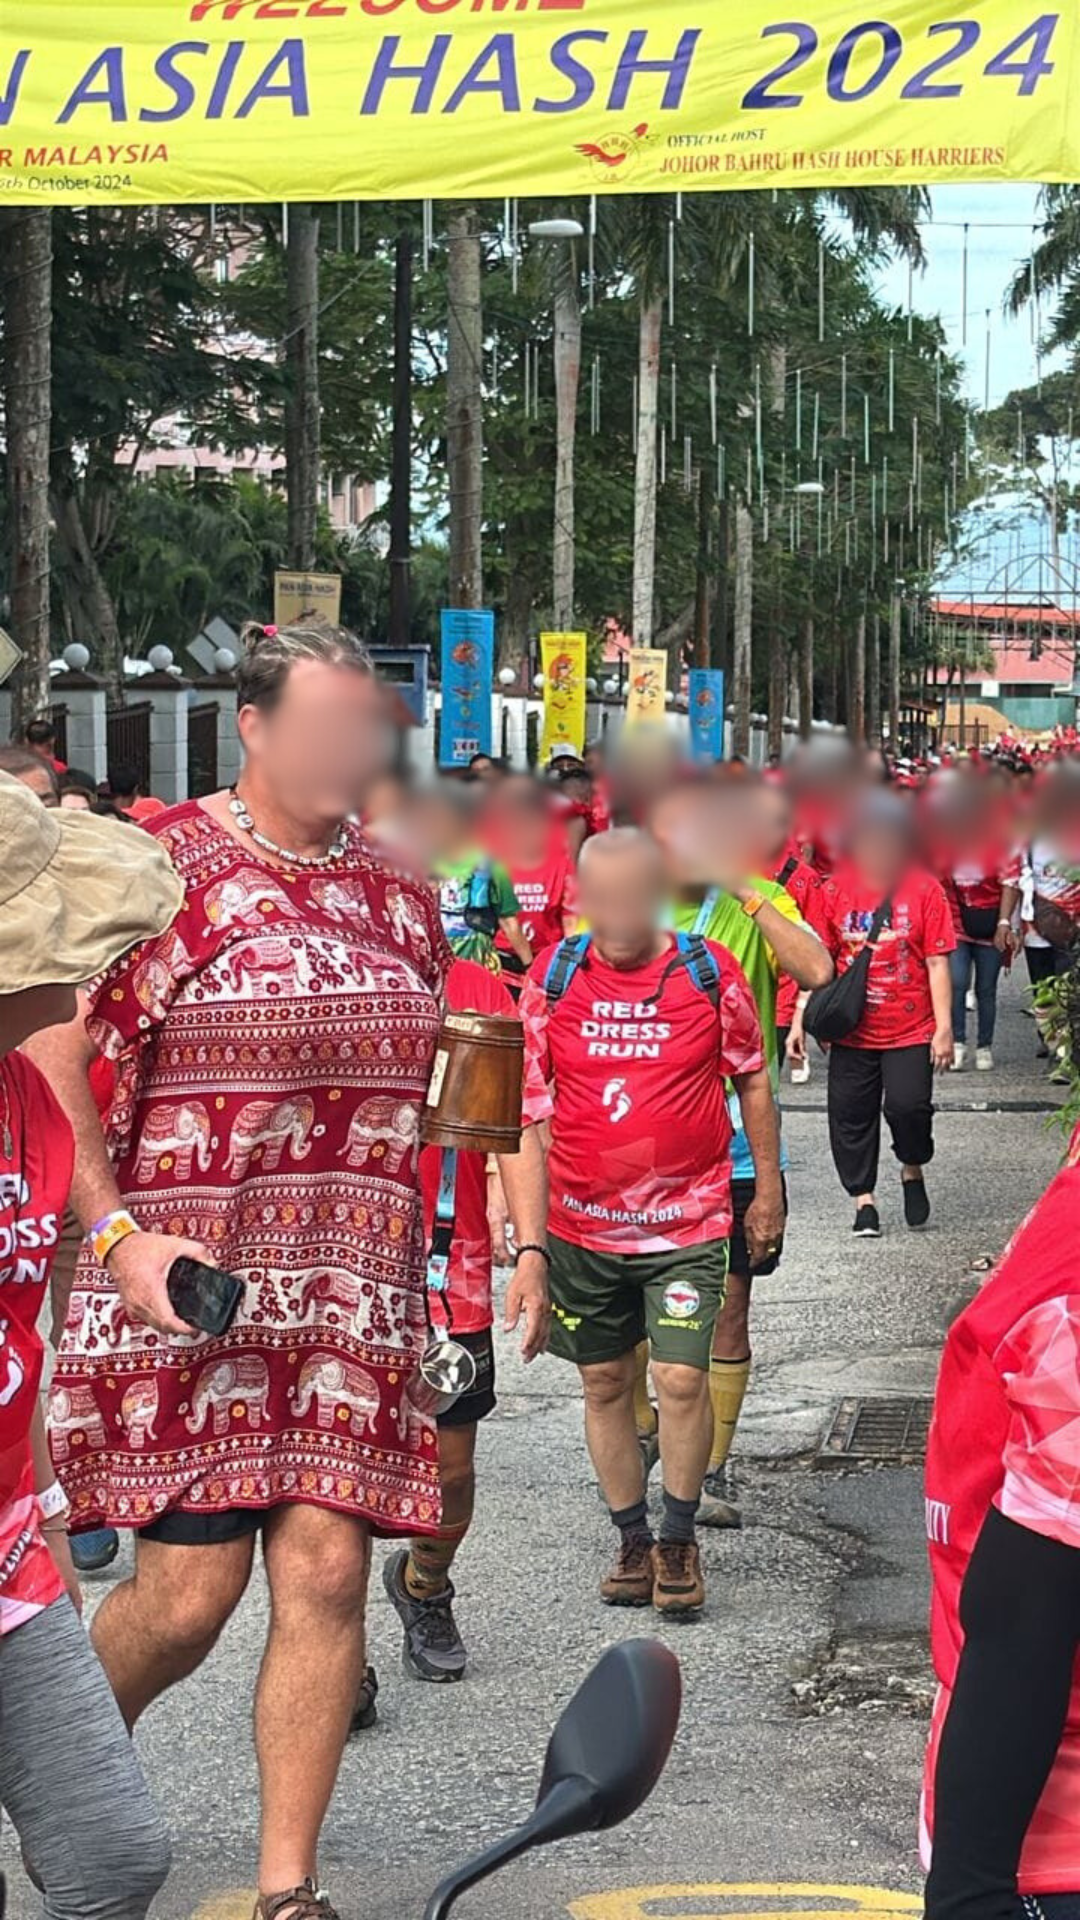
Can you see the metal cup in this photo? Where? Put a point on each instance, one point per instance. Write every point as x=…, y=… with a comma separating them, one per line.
x=444, y=1372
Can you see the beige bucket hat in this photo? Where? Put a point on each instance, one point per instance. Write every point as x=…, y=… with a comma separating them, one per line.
x=76, y=891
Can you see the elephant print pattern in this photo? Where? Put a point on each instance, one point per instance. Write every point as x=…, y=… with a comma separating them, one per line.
x=272, y=1057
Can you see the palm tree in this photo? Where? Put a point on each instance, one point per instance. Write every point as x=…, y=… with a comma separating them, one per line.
x=302, y=383
x=465, y=410
x=27, y=314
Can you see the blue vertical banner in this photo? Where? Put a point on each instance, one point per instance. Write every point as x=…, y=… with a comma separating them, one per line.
x=706, y=713
x=468, y=662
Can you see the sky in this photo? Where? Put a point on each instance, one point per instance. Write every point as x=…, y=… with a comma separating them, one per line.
x=1001, y=222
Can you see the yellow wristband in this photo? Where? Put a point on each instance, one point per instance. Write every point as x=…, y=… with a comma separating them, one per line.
x=753, y=904
x=108, y=1233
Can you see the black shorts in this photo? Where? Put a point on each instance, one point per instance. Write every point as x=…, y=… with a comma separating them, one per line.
x=481, y=1401
x=742, y=1192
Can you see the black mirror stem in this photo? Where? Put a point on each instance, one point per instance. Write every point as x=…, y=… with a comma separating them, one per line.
x=569, y=1808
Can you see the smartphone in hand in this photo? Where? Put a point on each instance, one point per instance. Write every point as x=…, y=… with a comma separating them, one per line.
x=206, y=1297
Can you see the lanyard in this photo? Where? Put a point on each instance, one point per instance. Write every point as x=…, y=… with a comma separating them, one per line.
x=438, y=1270
x=706, y=911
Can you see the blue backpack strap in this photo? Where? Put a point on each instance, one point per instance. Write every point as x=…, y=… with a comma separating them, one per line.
x=700, y=964
x=565, y=962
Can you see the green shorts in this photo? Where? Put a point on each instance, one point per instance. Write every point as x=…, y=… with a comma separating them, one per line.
x=604, y=1304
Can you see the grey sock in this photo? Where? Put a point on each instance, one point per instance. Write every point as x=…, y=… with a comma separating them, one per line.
x=632, y=1522
x=677, y=1525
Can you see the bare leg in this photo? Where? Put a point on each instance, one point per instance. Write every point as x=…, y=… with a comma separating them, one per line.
x=730, y=1372
x=156, y=1628
x=610, y=1429
x=317, y=1566
x=685, y=1427
x=427, y=1570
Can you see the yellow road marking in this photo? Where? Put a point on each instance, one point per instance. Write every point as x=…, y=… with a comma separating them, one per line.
x=796, y=1900
x=237, y=1905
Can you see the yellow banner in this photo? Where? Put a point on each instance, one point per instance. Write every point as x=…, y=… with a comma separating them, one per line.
x=563, y=658
x=647, y=687
x=307, y=596
x=245, y=100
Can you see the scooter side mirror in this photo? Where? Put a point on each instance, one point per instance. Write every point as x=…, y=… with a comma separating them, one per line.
x=604, y=1758
x=612, y=1741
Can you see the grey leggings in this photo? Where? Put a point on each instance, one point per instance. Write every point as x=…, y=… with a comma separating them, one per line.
x=69, y=1776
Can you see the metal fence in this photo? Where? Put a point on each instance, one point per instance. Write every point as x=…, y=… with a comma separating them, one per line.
x=127, y=739
x=59, y=718
x=202, y=750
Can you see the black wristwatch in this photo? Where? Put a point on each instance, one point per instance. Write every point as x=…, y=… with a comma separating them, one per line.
x=532, y=1246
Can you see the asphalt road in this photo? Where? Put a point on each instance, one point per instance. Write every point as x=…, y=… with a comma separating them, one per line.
x=798, y=1758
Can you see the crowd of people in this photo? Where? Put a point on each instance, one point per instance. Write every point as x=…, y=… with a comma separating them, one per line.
x=218, y=1024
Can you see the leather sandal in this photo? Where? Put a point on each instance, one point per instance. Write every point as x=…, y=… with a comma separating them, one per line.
x=307, y=1902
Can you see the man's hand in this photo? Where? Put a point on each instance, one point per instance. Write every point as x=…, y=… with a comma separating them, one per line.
x=942, y=1049
x=764, y=1223
x=528, y=1294
x=498, y=1219
x=795, y=1050
x=139, y=1266
x=1004, y=937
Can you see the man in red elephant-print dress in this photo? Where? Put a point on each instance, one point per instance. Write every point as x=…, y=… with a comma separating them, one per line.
x=273, y=1052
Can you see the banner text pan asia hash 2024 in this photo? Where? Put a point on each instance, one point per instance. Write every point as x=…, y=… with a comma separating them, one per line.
x=245, y=100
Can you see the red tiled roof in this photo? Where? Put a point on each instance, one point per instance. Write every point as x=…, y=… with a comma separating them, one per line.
x=1008, y=615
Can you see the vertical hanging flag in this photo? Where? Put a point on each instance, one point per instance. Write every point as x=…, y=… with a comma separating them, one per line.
x=646, y=691
x=706, y=713
x=468, y=660
x=562, y=657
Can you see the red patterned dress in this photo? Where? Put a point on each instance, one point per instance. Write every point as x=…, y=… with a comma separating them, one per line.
x=273, y=1052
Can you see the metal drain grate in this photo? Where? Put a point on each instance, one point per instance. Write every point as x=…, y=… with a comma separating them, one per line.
x=873, y=1432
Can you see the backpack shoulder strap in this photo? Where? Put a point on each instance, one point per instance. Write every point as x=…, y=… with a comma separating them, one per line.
x=692, y=952
x=565, y=962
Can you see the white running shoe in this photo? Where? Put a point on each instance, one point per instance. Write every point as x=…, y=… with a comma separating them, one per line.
x=959, y=1056
x=984, y=1060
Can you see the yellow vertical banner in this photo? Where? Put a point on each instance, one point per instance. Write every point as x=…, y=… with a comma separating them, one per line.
x=562, y=656
x=646, y=693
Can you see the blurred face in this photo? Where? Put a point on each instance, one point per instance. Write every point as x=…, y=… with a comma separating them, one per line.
x=881, y=854
x=317, y=751
x=41, y=783
x=32, y=1010
x=709, y=836
x=621, y=894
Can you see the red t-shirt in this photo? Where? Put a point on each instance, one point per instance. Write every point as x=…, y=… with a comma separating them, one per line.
x=548, y=894
x=1006, y=1433
x=33, y=1193
x=640, y=1150
x=472, y=989
x=899, y=1010
x=811, y=894
x=973, y=886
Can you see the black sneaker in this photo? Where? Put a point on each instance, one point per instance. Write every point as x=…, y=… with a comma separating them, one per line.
x=867, y=1224
x=916, y=1202
x=366, y=1712
x=433, y=1648
x=93, y=1552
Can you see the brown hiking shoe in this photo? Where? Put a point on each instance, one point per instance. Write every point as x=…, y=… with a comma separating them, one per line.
x=630, y=1582
x=299, y=1903
x=678, y=1586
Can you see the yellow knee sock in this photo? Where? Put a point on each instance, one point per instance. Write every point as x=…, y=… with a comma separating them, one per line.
x=728, y=1381
x=644, y=1411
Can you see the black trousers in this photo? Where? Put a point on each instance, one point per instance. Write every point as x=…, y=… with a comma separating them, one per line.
x=860, y=1080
